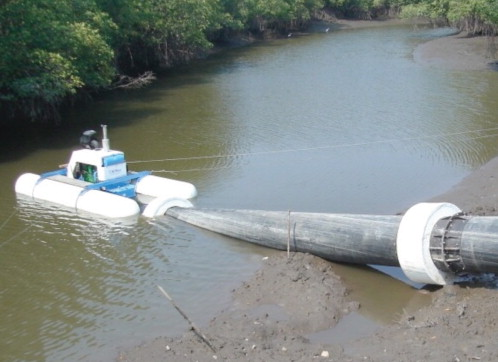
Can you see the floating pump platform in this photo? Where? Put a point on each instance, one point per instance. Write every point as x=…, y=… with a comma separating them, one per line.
x=96, y=180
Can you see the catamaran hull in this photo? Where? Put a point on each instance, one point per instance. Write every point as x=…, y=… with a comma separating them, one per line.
x=76, y=197
x=155, y=186
x=72, y=194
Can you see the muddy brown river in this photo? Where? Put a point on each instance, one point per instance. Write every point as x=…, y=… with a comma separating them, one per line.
x=343, y=121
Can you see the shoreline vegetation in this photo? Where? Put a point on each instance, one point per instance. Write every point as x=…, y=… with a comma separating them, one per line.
x=292, y=306
x=67, y=51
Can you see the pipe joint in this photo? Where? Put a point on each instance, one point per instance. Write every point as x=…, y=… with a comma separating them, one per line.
x=445, y=243
x=413, y=242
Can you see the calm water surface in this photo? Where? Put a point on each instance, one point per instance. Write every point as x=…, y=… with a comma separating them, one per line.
x=330, y=122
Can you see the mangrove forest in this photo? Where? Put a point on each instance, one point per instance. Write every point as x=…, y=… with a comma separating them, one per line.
x=54, y=52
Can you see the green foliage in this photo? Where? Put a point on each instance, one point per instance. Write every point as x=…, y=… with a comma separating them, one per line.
x=47, y=76
x=90, y=55
x=50, y=49
x=474, y=16
x=262, y=15
x=352, y=8
x=162, y=32
x=365, y=9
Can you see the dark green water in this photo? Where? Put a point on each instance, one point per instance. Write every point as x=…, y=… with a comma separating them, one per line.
x=331, y=122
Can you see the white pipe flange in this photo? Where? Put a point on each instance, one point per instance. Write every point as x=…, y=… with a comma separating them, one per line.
x=160, y=205
x=413, y=242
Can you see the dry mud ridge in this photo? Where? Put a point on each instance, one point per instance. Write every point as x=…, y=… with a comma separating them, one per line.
x=288, y=299
x=284, y=301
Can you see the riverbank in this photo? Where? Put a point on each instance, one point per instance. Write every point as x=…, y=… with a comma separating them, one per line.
x=459, y=52
x=276, y=314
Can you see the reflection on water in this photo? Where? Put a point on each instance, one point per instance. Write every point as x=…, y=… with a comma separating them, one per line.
x=75, y=286
x=337, y=122
x=351, y=327
x=383, y=299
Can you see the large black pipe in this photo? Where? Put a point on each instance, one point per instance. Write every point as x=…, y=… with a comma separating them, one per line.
x=360, y=239
x=466, y=244
x=431, y=242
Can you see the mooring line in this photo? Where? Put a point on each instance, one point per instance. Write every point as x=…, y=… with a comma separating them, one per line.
x=227, y=167
x=16, y=235
x=7, y=220
x=192, y=169
x=305, y=149
x=288, y=234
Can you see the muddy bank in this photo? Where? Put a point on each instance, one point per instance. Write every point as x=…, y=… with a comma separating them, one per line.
x=277, y=312
x=459, y=52
x=476, y=194
x=270, y=317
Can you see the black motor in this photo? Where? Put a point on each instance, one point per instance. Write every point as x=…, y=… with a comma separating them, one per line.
x=89, y=140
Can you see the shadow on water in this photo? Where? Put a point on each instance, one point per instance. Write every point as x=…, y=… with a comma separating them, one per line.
x=25, y=138
x=117, y=109
x=110, y=107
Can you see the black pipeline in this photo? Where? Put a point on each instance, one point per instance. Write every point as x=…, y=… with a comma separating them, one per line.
x=431, y=242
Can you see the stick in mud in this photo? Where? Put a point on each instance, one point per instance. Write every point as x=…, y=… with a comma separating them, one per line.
x=192, y=325
x=288, y=235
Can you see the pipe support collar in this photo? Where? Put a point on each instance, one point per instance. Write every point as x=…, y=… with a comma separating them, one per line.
x=413, y=242
x=160, y=205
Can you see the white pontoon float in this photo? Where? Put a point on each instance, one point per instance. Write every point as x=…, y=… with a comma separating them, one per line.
x=97, y=180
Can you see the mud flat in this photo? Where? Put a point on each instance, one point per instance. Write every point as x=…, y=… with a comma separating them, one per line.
x=275, y=314
x=459, y=52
